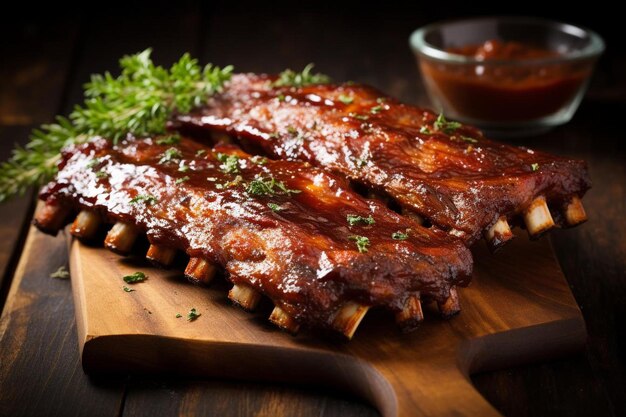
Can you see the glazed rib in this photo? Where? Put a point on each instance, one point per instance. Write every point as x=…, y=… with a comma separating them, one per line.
x=444, y=172
x=278, y=228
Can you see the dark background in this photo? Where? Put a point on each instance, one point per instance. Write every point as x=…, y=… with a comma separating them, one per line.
x=48, y=52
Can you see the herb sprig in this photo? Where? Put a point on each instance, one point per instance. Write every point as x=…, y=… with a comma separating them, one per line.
x=139, y=101
x=290, y=78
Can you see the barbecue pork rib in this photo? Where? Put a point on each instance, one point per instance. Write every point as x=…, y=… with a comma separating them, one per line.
x=294, y=233
x=443, y=171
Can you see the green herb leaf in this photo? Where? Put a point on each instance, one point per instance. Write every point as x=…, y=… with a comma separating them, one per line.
x=534, y=167
x=135, y=277
x=445, y=126
x=101, y=174
x=358, y=116
x=425, y=129
x=126, y=289
x=200, y=152
x=269, y=187
x=376, y=109
x=168, y=140
x=170, y=155
x=61, y=273
x=468, y=139
x=93, y=163
x=275, y=207
x=345, y=99
x=289, y=78
x=354, y=220
x=362, y=243
x=181, y=180
x=399, y=236
x=183, y=167
x=139, y=102
x=259, y=160
x=143, y=198
x=230, y=163
x=192, y=315
x=178, y=315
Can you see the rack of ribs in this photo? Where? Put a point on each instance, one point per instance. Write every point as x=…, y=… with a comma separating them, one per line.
x=285, y=230
x=436, y=170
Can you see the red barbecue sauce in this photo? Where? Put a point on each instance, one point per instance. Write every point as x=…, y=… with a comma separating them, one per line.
x=505, y=91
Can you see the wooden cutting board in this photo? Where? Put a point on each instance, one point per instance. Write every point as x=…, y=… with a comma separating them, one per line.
x=518, y=309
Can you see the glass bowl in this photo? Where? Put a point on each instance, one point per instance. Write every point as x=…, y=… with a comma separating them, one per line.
x=508, y=93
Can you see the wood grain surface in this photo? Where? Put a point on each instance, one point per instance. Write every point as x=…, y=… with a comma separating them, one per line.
x=518, y=309
x=40, y=372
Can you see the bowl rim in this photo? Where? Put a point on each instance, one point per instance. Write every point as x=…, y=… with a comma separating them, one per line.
x=418, y=43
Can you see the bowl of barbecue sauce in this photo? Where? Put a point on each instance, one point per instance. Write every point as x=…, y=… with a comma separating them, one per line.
x=510, y=76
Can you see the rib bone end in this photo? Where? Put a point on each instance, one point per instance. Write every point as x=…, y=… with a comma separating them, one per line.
x=451, y=306
x=51, y=218
x=85, y=225
x=498, y=234
x=349, y=317
x=411, y=315
x=199, y=271
x=283, y=320
x=121, y=238
x=537, y=217
x=161, y=255
x=575, y=212
x=244, y=296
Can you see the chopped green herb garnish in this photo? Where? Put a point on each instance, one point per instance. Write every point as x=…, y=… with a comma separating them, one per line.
x=143, y=198
x=468, y=139
x=354, y=220
x=183, y=167
x=102, y=174
x=228, y=184
x=381, y=100
x=178, y=315
x=93, y=163
x=361, y=242
x=230, y=163
x=192, y=315
x=534, y=167
x=126, y=289
x=289, y=78
x=361, y=162
x=399, y=236
x=139, y=101
x=376, y=109
x=270, y=186
x=168, y=140
x=292, y=130
x=135, y=277
x=170, y=155
x=200, y=152
x=181, y=180
x=358, y=116
x=61, y=273
x=425, y=129
x=275, y=207
x=259, y=160
x=281, y=97
x=445, y=126
x=345, y=99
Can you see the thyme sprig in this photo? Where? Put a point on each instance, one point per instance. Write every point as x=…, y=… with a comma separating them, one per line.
x=139, y=101
x=290, y=78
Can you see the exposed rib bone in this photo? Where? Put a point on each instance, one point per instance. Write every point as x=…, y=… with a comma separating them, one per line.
x=245, y=296
x=284, y=320
x=199, y=271
x=50, y=218
x=452, y=305
x=575, y=212
x=413, y=215
x=121, y=238
x=537, y=217
x=411, y=315
x=85, y=225
x=349, y=317
x=161, y=255
x=498, y=234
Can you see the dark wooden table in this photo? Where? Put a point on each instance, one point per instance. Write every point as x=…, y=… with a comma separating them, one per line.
x=44, y=64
